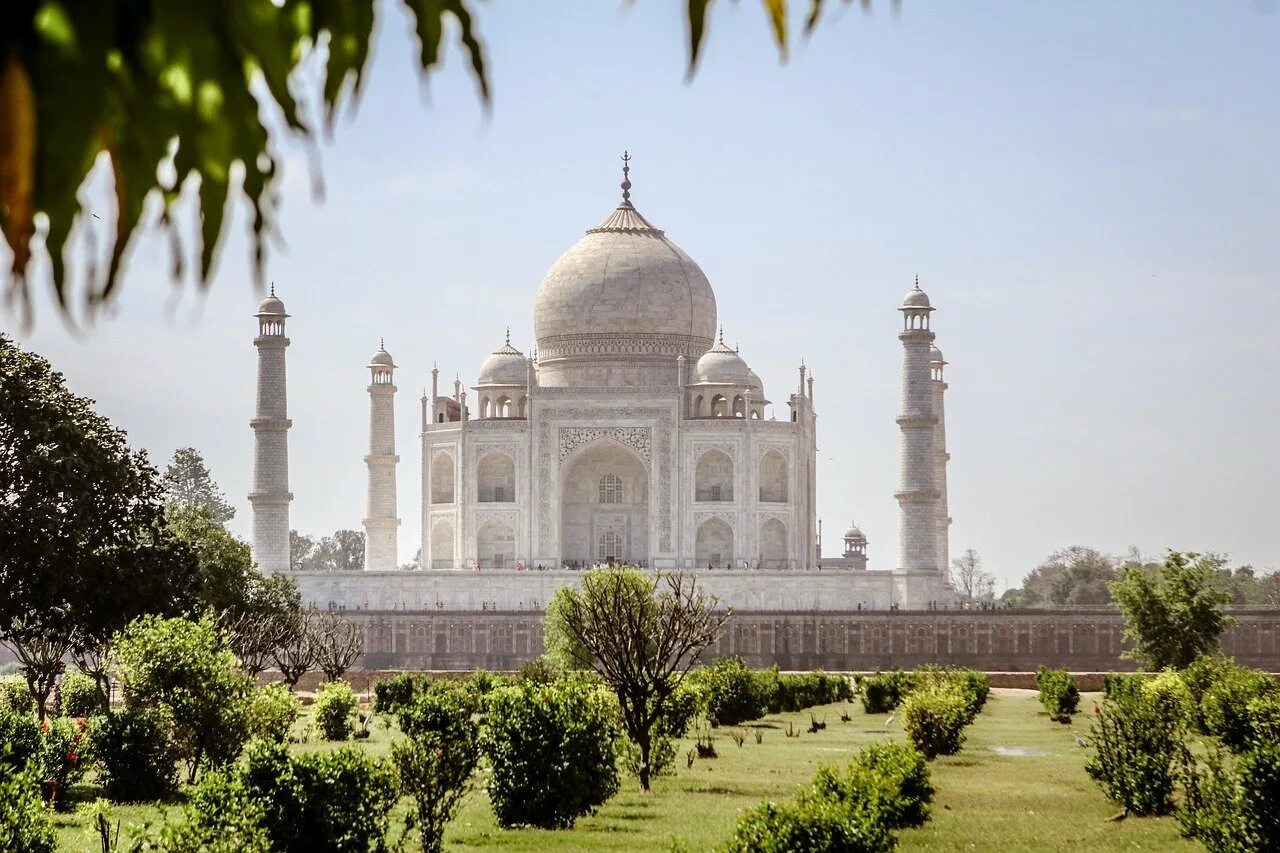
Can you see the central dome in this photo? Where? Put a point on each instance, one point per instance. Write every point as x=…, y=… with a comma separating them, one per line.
x=621, y=306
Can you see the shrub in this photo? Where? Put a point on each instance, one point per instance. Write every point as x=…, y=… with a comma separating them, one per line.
x=185, y=670
x=392, y=694
x=732, y=692
x=270, y=713
x=934, y=719
x=810, y=825
x=333, y=713
x=19, y=738
x=970, y=684
x=80, y=696
x=905, y=778
x=797, y=692
x=552, y=749
x=1231, y=806
x=1118, y=685
x=1263, y=714
x=1170, y=694
x=63, y=757
x=335, y=800
x=1058, y=693
x=883, y=692
x=135, y=756
x=222, y=815
x=14, y=695
x=681, y=709
x=25, y=825
x=436, y=761
x=1136, y=742
x=482, y=682
x=541, y=670
x=1224, y=708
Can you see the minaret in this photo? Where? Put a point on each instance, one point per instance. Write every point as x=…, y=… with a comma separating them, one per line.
x=855, y=548
x=936, y=363
x=918, y=492
x=381, y=522
x=271, y=496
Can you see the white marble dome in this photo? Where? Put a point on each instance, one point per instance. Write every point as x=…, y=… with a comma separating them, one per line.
x=382, y=358
x=271, y=306
x=723, y=366
x=506, y=366
x=916, y=298
x=621, y=306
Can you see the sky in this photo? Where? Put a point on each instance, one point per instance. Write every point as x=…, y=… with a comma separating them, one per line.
x=1089, y=192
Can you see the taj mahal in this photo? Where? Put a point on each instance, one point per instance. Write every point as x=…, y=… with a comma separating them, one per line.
x=632, y=434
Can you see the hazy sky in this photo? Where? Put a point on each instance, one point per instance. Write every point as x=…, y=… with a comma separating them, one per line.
x=1089, y=192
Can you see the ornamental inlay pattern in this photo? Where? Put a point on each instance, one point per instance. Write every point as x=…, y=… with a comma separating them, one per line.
x=479, y=449
x=785, y=518
x=779, y=449
x=619, y=343
x=548, y=463
x=638, y=439
x=506, y=516
x=728, y=448
x=729, y=518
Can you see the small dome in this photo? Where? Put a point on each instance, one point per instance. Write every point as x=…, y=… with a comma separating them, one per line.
x=723, y=366
x=916, y=298
x=381, y=358
x=935, y=356
x=506, y=366
x=855, y=534
x=755, y=381
x=271, y=306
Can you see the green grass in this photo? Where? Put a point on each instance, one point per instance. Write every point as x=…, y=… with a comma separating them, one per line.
x=984, y=800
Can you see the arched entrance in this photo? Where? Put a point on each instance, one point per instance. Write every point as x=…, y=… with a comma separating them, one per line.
x=604, y=506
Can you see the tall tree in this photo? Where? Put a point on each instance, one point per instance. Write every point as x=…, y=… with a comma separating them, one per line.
x=173, y=91
x=642, y=633
x=301, y=550
x=83, y=543
x=1173, y=614
x=1074, y=575
x=224, y=564
x=188, y=483
x=341, y=552
x=973, y=584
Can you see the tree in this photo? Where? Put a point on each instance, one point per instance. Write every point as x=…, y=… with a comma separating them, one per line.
x=415, y=563
x=186, y=671
x=263, y=622
x=341, y=552
x=299, y=652
x=188, y=483
x=338, y=643
x=437, y=759
x=224, y=563
x=1173, y=613
x=1074, y=575
x=301, y=550
x=642, y=633
x=83, y=543
x=189, y=86
x=973, y=584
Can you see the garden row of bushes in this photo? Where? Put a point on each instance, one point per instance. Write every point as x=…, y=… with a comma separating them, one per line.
x=935, y=704
x=1147, y=762
x=1059, y=693
x=885, y=788
x=731, y=693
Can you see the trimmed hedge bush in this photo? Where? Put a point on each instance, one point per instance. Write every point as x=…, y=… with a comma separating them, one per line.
x=553, y=750
x=25, y=825
x=63, y=757
x=886, y=787
x=136, y=758
x=80, y=696
x=222, y=815
x=333, y=712
x=797, y=692
x=1224, y=708
x=392, y=694
x=934, y=719
x=1058, y=693
x=1136, y=741
x=19, y=738
x=14, y=695
x=1230, y=806
x=270, y=713
x=884, y=691
x=335, y=800
x=1263, y=714
x=1172, y=697
x=1118, y=685
x=733, y=693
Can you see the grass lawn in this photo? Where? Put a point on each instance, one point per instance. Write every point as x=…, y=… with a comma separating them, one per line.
x=985, y=800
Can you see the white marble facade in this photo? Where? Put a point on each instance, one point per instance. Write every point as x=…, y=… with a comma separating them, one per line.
x=632, y=433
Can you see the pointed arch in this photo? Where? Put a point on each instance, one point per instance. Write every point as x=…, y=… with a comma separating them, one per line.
x=714, y=544
x=496, y=478
x=442, y=479
x=773, y=478
x=442, y=553
x=713, y=477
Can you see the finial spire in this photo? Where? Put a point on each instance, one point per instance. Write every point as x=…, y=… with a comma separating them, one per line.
x=273, y=288
x=721, y=334
x=382, y=344
x=508, y=336
x=917, y=281
x=626, y=173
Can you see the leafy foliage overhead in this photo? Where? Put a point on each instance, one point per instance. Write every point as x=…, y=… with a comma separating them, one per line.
x=176, y=98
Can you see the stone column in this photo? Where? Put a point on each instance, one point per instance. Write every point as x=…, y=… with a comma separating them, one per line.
x=937, y=363
x=271, y=496
x=917, y=494
x=381, y=522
